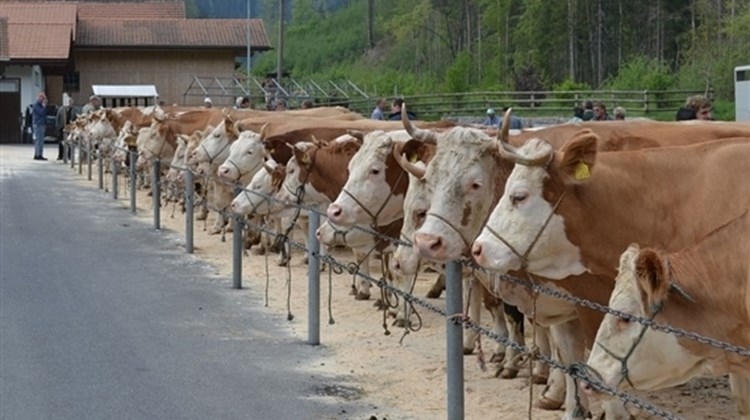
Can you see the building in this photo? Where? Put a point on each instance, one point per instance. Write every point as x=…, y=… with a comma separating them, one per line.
x=66, y=46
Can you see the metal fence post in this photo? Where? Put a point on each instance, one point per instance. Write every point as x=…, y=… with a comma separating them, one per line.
x=72, y=156
x=88, y=161
x=236, y=251
x=189, y=218
x=131, y=177
x=313, y=279
x=454, y=340
x=80, y=156
x=66, y=150
x=100, y=170
x=156, y=192
x=114, y=180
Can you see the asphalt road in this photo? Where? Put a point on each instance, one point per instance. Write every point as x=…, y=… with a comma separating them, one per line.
x=101, y=317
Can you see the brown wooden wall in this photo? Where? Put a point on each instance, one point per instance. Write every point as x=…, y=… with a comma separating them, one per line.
x=170, y=71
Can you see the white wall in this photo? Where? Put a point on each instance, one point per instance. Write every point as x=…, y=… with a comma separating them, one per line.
x=742, y=94
x=32, y=82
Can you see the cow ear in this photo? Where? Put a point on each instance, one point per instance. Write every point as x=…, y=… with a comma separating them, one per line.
x=230, y=128
x=579, y=155
x=303, y=157
x=652, y=274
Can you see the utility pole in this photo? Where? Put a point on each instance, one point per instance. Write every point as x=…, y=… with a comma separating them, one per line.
x=247, y=61
x=280, y=59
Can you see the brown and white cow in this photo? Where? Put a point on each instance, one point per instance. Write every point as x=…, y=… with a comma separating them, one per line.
x=702, y=289
x=569, y=200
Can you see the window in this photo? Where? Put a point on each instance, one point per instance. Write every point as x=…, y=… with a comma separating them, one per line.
x=72, y=82
x=741, y=75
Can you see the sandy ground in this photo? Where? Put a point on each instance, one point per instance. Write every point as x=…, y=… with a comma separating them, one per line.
x=407, y=376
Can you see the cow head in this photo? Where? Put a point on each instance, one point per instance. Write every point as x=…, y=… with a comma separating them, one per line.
x=296, y=187
x=413, y=157
x=524, y=230
x=255, y=199
x=214, y=148
x=246, y=155
x=375, y=186
x=465, y=178
x=656, y=359
x=160, y=140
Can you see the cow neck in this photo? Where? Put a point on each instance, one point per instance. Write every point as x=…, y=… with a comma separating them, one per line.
x=694, y=272
x=631, y=198
x=330, y=170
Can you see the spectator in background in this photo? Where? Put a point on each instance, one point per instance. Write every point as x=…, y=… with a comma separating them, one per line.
x=395, y=114
x=685, y=114
x=588, y=111
x=306, y=104
x=377, y=113
x=600, y=112
x=701, y=106
x=207, y=102
x=280, y=105
x=238, y=102
x=619, y=113
x=245, y=103
x=39, y=120
x=66, y=114
x=577, y=115
x=92, y=105
x=492, y=120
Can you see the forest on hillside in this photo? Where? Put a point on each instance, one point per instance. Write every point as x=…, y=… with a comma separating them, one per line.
x=421, y=46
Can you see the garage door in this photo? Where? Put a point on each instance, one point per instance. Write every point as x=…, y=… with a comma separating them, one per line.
x=10, y=105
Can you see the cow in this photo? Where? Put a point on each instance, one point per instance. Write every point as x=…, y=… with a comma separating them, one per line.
x=703, y=289
x=567, y=200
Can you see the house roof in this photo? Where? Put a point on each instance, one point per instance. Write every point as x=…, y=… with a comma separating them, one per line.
x=171, y=33
x=4, y=44
x=28, y=41
x=140, y=10
x=37, y=30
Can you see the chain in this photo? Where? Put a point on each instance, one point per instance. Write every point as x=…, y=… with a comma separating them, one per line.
x=540, y=288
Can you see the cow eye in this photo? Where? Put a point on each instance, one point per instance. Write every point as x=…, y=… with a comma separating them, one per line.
x=375, y=171
x=475, y=186
x=420, y=214
x=518, y=198
x=249, y=152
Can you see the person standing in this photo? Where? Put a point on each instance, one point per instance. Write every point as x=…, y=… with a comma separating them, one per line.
x=66, y=114
x=377, y=113
x=492, y=120
x=92, y=105
x=396, y=111
x=39, y=120
x=619, y=113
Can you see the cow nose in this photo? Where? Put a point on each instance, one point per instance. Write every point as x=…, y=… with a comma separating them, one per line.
x=334, y=212
x=317, y=233
x=396, y=264
x=586, y=388
x=477, y=252
x=430, y=246
x=223, y=171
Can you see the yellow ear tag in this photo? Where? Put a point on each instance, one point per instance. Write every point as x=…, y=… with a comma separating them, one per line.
x=582, y=171
x=413, y=158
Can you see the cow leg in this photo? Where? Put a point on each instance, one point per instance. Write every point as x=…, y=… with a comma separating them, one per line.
x=495, y=307
x=514, y=320
x=740, y=386
x=219, y=223
x=437, y=288
x=540, y=372
x=473, y=298
x=362, y=285
x=403, y=284
x=568, y=344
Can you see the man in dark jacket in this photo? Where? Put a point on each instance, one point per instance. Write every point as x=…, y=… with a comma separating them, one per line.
x=395, y=114
x=39, y=120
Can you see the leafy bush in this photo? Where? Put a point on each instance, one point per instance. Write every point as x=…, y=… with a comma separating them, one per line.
x=563, y=92
x=457, y=76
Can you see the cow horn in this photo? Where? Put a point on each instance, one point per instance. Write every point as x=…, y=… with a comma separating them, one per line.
x=425, y=136
x=505, y=129
x=268, y=168
x=318, y=143
x=356, y=134
x=263, y=131
x=511, y=153
x=405, y=164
